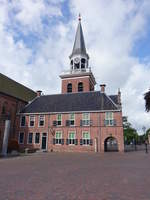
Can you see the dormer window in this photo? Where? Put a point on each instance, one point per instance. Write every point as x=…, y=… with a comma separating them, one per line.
x=69, y=87
x=80, y=87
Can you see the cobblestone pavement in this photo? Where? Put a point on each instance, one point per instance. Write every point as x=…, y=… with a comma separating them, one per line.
x=76, y=176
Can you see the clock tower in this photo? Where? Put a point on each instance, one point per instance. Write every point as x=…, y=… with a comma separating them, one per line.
x=80, y=77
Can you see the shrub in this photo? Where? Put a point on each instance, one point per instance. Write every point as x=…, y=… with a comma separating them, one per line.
x=13, y=145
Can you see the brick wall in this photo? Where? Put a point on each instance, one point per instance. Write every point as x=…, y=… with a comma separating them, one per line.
x=12, y=106
x=98, y=132
x=87, y=84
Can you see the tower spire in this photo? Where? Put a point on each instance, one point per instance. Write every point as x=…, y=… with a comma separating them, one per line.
x=79, y=17
x=79, y=44
x=79, y=57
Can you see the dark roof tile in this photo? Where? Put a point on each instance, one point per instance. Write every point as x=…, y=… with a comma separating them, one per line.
x=84, y=101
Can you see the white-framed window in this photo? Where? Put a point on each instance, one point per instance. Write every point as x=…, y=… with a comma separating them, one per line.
x=85, y=138
x=21, y=138
x=109, y=119
x=32, y=120
x=72, y=138
x=41, y=120
x=58, y=137
x=72, y=119
x=30, y=138
x=59, y=119
x=22, y=121
x=85, y=119
x=37, y=138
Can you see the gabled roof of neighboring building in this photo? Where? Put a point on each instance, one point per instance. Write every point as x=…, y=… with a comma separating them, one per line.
x=71, y=102
x=15, y=89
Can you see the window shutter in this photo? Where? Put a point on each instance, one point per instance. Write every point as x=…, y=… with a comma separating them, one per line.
x=62, y=141
x=91, y=122
x=81, y=142
x=67, y=141
x=80, y=122
x=114, y=122
x=91, y=142
x=54, y=141
x=105, y=122
x=54, y=123
x=67, y=123
x=76, y=141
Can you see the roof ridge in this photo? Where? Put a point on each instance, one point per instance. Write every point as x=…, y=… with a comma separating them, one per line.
x=72, y=93
x=30, y=102
x=111, y=100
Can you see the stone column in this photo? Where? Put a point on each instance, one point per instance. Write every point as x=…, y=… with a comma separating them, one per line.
x=5, y=138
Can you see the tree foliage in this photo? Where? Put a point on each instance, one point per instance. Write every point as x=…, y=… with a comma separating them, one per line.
x=147, y=101
x=130, y=134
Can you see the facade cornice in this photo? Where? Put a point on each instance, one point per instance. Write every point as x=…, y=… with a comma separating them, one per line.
x=68, y=112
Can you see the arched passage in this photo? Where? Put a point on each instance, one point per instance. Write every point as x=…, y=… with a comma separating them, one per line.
x=110, y=144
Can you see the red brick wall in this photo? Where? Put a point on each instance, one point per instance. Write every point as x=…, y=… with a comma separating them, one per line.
x=87, y=84
x=97, y=131
x=12, y=106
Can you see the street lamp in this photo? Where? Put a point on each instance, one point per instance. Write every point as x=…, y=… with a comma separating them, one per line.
x=146, y=143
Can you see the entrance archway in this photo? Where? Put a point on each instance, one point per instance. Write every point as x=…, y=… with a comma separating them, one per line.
x=110, y=144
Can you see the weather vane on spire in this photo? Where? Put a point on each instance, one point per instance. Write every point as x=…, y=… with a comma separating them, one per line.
x=79, y=17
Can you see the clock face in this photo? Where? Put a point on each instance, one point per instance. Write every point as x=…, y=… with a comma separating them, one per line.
x=77, y=60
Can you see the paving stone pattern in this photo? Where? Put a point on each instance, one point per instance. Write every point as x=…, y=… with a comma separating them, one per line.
x=76, y=176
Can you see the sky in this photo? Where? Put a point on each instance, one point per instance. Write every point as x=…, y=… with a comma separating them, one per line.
x=37, y=36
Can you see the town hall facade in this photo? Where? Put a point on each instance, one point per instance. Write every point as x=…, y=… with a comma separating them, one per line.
x=79, y=119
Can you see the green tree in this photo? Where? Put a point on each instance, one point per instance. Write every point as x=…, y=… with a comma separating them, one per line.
x=130, y=134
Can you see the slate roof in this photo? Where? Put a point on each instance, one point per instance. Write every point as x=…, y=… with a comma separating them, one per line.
x=17, y=90
x=71, y=102
x=114, y=98
x=79, y=44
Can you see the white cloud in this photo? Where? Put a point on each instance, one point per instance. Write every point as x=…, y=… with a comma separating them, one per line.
x=111, y=30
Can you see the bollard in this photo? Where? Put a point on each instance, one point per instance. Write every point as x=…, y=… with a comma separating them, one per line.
x=5, y=138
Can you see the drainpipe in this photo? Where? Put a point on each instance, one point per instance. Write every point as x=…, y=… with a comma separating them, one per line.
x=99, y=133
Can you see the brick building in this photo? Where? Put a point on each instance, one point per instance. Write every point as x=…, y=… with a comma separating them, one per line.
x=79, y=119
x=13, y=98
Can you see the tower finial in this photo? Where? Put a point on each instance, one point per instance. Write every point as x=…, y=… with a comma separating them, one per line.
x=79, y=17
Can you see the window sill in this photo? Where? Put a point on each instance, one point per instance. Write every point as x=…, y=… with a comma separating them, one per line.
x=110, y=125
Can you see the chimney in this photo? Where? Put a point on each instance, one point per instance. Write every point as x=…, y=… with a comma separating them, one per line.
x=39, y=92
x=119, y=96
x=102, y=86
